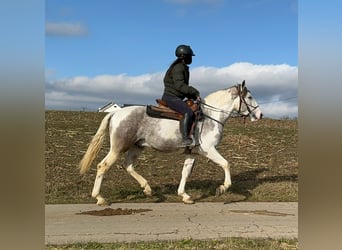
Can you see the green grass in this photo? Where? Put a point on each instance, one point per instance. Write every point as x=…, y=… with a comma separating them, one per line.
x=229, y=243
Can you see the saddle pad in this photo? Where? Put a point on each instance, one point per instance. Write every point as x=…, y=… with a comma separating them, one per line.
x=163, y=112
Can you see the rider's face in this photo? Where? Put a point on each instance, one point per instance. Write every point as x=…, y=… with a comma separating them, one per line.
x=188, y=59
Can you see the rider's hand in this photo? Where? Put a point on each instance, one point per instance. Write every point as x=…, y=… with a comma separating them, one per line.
x=198, y=99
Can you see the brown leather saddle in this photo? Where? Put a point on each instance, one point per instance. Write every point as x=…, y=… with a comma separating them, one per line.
x=163, y=111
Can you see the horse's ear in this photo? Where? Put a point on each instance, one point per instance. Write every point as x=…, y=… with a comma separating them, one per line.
x=243, y=88
x=243, y=85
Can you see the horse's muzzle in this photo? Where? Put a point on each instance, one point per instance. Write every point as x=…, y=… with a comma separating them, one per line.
x=256, y=116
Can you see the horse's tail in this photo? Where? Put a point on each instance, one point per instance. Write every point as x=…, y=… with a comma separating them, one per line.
x=95, y=145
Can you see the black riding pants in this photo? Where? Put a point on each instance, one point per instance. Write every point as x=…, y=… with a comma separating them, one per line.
x=178, y=105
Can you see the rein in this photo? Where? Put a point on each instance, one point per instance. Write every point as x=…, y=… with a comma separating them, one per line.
x=214, y=109
x=213, y=119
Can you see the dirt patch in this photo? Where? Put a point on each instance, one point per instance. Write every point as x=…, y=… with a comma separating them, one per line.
x=117, y=211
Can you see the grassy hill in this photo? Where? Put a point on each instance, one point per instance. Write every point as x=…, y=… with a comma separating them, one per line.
x=263, y=157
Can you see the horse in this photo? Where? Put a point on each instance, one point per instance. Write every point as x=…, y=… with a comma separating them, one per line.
x=131, y=129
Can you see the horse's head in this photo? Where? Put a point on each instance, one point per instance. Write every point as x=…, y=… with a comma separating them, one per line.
x=245, y=104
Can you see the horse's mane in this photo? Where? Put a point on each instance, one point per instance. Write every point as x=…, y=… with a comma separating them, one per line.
x=217, y=97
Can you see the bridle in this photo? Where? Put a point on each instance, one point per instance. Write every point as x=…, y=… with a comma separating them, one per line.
x=242, y=95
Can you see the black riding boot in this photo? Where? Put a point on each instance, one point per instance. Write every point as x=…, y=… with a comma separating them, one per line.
x=185, y=127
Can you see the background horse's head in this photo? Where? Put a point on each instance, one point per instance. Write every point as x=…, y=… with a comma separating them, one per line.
x=245, y=104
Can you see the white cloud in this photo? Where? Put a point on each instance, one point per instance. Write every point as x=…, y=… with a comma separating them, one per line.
x=50, y=73
x=65, y=29
x=280, y=110
x=269, y=84
x=62, y=99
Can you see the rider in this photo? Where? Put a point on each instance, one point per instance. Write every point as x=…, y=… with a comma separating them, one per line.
x=176, y=82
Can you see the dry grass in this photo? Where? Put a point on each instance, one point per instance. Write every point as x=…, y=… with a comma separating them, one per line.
x=263, y=157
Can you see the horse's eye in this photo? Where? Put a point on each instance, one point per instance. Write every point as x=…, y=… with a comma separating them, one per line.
x=250, y=98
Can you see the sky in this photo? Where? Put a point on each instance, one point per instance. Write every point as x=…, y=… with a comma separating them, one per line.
x=98, y=52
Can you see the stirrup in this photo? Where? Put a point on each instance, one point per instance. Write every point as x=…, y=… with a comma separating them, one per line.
x=187, y=141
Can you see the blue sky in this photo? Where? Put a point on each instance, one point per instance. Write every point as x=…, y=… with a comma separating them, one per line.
x=102, y=51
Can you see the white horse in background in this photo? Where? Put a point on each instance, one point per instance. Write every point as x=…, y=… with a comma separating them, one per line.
x=131, y=129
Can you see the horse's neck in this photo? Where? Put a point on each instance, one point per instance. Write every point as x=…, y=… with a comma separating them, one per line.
x=219, y=105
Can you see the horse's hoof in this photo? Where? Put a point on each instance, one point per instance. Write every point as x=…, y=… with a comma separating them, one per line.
x=220, y=190
x=148, y=191
x=105, y=204
x=188, y=201
x=102, y=202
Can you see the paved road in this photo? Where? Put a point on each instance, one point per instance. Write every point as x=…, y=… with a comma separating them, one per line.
x=171, y=221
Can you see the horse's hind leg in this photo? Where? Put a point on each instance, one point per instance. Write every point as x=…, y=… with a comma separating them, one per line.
x=102, y=168
x=132, y=155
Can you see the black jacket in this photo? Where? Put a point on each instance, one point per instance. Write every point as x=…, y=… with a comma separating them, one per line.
x=176, y=82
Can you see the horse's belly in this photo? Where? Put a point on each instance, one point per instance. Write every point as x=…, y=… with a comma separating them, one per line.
x=165, y=136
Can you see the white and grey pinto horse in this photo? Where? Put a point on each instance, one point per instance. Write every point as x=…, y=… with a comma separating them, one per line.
x=131, y=129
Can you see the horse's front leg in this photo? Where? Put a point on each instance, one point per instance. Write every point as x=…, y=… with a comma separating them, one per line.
x=187, y=168
x=215, y=156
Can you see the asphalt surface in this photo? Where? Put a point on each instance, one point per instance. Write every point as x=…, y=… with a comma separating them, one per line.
x=171, y=221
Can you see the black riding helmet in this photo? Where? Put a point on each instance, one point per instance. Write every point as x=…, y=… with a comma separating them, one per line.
x=183, y=51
